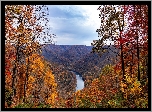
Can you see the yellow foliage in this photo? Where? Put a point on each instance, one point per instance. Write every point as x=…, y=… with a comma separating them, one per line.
x=112, y=102
x=31, y=79
x=136, y=87
x=51, y=99
x=39, y=69
x=78, y=92
x=129, y=79
x=131, y=86
x=30, y=86
x=142, y=102
x=49, y=82
x=37, y=64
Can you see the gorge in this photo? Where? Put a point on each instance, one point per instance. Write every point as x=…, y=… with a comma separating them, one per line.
x=74, y=66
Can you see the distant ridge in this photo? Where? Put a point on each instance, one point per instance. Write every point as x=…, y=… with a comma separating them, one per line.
x=65, y=45
x=77, y=57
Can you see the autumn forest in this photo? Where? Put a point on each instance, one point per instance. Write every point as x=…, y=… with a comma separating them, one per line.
x=38, y=75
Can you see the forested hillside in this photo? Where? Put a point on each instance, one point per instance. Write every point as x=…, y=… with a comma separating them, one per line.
x=38, y=75
x=80, y=59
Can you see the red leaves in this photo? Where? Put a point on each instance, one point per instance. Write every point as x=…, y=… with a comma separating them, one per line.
x=125, y=8
x=69, y=102
x=57, y=98
x=7, y=72
x=121, y=40
x=117, y=67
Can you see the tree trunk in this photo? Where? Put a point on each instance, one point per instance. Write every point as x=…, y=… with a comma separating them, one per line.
x=15, y=70
x=26, y=79
x=122, y=60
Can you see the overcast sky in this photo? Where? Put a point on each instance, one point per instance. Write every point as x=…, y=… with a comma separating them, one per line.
x=74, y=24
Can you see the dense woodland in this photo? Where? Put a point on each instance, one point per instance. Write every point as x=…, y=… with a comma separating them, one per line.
x=79, y=58
x=38, y=75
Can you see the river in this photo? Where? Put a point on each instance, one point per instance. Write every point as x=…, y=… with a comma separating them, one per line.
x=80, y=82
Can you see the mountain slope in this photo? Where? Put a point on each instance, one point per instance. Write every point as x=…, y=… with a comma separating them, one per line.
x=79, y=58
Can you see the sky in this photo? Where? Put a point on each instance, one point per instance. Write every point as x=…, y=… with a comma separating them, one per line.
x=74, y=24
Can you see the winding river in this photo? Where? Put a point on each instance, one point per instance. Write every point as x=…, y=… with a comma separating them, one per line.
x=80, y=82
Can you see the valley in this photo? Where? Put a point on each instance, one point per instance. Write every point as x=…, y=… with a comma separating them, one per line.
x=78, y=59
x=49, y=63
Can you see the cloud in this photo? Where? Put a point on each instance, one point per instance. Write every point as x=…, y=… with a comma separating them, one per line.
x=87, y=42
x=74, y=25
x=64, y=39
x=64, y=11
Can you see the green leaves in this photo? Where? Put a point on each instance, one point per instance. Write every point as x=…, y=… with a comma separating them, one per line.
x=24, y=105
x=108, y=69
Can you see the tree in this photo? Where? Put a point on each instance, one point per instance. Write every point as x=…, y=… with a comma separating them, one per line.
x=41, y=83
x=131, y=24
x=138, y=33
x=112, y=24
x=124, y=27
x=24, y=30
